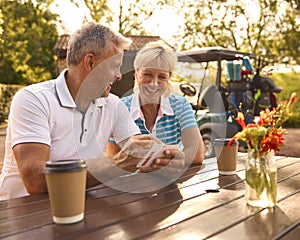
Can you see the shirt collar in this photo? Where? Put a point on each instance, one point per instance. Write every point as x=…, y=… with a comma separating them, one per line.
x=100, y=102
x=135, y=107
x=165, y=105
x=64, y=94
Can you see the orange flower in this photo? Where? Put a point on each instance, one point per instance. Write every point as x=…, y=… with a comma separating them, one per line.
x=267, y=133
x=265, y=118
x=273, y=140
x=232, y=140
x=292, y=99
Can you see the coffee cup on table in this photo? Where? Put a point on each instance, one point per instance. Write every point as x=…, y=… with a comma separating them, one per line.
x=66, y=183
x=226, y=156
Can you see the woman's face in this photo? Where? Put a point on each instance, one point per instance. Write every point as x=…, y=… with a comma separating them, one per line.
x=152, y=82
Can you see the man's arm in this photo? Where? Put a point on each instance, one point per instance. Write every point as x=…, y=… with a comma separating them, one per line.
x=111, y=149
x=31, y=159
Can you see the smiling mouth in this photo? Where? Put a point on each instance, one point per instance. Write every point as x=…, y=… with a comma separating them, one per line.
x=111, y=83
x=152, y=90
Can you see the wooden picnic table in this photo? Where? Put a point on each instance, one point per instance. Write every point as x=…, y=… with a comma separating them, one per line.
x=202, y=205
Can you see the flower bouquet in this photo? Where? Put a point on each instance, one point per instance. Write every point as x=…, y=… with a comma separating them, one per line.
x=263, y=138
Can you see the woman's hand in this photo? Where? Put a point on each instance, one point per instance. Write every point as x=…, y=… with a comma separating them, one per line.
x=133, y=150
x=171, y=165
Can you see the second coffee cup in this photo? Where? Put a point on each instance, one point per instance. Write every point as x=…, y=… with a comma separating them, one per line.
x=226, y=156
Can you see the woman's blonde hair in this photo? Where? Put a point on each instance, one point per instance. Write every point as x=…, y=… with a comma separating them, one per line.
x=156, y=55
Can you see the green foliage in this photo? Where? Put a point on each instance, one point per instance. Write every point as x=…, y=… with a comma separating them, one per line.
x=265, y=28
x=133, y=15
x=27, y=34
x=99, y=10
x=6, y=94
x=289, y=82
x=130, y=17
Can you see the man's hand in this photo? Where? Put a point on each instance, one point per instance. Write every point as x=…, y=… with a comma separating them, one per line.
x=133, y=150
x=170, y=164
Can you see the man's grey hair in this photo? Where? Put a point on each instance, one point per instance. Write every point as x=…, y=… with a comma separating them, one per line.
x=93, y=38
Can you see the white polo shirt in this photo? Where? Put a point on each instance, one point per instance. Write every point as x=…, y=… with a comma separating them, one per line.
x=46, y=113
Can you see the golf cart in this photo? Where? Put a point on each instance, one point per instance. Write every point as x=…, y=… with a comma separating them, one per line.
x=238, y=88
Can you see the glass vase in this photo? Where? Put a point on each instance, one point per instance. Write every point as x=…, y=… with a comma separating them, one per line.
x=261, y=179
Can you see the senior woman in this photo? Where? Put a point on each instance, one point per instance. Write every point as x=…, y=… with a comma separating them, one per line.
x=167, y=116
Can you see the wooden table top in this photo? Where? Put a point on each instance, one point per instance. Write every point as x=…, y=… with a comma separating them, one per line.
x=202, y=205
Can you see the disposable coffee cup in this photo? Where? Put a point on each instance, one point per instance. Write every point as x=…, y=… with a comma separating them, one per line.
x=226, y=156
x=66, y=183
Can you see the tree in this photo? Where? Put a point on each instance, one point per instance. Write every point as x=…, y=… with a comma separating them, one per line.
x=296, y=3
x=130, y=16
x=265, y=27
x=27, y=34
x=99, y=10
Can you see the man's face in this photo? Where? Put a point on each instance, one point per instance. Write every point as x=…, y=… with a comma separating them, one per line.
x=111, y=70
x=105, y=73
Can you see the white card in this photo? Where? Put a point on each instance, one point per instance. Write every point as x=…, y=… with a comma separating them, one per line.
x=153, y=153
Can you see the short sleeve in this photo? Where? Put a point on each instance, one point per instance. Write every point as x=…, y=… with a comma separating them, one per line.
x=28, y=119
x=187, y=116
x=123, y=125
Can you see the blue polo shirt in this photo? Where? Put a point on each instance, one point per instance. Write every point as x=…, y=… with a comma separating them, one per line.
x=174, y=117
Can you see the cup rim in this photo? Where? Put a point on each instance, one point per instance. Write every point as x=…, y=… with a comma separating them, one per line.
x=68, y=165
x=224, y=142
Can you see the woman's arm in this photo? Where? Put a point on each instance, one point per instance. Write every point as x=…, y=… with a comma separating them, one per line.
x=193, y=145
